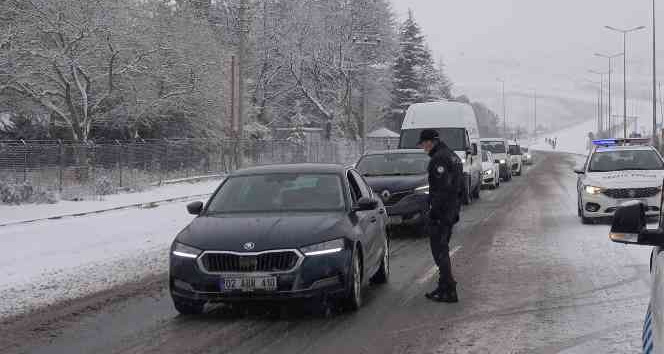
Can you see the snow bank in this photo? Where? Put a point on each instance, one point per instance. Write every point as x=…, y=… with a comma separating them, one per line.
x=62, y=259
x=17, y=213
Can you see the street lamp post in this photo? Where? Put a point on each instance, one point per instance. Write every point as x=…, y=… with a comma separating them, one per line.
x=601, y=97
x=624, y=33
x=655, y=136
x=535, y=130
x=504, y=109
x=610, y=58
x=598, y=104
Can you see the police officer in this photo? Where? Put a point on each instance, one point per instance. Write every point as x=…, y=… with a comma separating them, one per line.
x=445, y=189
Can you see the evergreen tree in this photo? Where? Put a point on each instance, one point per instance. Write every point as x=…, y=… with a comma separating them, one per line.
x=416, y=78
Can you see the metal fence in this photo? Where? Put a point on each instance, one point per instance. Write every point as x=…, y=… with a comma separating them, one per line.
x=79, y=170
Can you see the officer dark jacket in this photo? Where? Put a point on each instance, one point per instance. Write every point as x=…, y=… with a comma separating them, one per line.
x=445, y=184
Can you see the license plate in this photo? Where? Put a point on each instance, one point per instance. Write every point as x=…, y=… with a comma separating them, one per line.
x=643, y=201
x=248, y=284
x=395, y=220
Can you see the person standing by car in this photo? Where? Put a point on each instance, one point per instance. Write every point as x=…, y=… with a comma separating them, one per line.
x=445, y=192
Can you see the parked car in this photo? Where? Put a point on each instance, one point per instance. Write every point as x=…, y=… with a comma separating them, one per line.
x=617, y=171
x=500, y=150
x=281, y=232
x=399, y=177
x=527, y=156
x=457, y=126
x=516, y=158
x=629, y=227
x=491, y=171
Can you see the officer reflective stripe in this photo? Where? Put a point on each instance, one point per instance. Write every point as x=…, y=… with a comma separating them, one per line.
x=647, y=333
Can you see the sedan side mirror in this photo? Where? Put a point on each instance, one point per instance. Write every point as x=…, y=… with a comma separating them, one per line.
x=365, y=204
x=579, y=171
x=629, y=226
x=475, y=150
x=195, y=208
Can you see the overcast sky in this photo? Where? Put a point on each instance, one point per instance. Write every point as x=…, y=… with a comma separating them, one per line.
x=537, y=44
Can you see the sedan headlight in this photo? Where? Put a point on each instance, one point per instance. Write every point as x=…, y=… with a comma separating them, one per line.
x=422, y=190
x=185, y=251
x=503, y=161
x=488, y=172
x=593, y=190
x=328, y=247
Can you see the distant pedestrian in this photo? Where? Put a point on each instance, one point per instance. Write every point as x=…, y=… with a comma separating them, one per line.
x=446, y=185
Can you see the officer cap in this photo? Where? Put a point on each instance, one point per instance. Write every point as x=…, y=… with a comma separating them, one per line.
x=428, y=135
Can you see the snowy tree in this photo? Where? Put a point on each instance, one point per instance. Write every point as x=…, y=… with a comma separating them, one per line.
x=99, y=66
x=416, y=76
x=297, y=124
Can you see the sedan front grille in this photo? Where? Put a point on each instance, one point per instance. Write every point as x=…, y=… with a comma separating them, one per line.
x=274, y=261
x=626, y=193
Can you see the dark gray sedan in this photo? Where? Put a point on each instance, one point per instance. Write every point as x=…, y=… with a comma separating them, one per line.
x=281, y=232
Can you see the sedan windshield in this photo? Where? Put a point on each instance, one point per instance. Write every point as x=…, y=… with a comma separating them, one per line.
x=279, y=192
x=393, y=164
x=496, y=147
x=625, y=160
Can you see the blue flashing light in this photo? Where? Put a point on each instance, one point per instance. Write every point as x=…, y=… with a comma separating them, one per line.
x=621, y=142
x=605, y=142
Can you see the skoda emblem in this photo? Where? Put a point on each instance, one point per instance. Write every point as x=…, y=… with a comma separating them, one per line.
x=386, y=195
x=249, y=246
x=632, y=193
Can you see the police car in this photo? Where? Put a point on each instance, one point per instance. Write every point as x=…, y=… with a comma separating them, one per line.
x=618, y=171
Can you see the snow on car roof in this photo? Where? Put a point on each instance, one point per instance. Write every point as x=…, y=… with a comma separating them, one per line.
x=623, y=148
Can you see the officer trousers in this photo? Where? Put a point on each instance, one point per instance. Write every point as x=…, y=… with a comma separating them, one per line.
x=439, y=236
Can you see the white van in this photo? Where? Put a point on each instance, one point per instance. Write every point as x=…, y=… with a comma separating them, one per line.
x=457, y=125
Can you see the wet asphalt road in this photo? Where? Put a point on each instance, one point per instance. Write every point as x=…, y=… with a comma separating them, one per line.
x=532, y=279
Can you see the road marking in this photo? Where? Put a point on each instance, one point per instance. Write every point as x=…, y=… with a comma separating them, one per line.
x=434, y=269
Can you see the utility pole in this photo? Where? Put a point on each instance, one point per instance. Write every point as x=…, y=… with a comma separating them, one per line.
x=364, y=40
x=242, y=48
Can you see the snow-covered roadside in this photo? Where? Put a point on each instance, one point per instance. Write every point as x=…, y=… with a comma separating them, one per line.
x=44, y=263
x=17, y=213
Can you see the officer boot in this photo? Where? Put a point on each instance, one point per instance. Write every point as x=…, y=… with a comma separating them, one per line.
x=444, y=294
x=450, y=295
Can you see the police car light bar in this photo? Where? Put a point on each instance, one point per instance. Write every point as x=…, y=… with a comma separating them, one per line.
x=622, y=142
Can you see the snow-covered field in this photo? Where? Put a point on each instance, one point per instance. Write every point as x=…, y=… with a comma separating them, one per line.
x=12, y=213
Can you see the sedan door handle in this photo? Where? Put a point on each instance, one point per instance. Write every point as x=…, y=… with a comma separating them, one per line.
x=373, y=219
